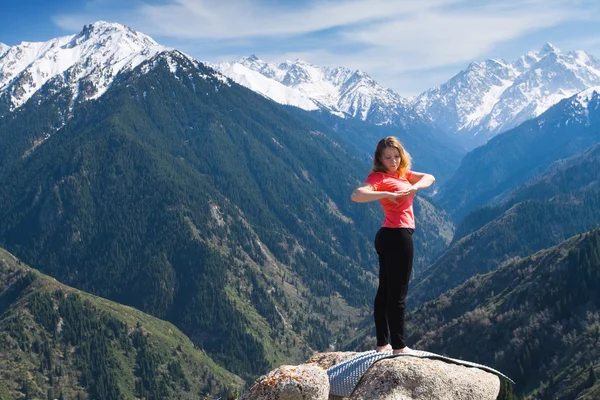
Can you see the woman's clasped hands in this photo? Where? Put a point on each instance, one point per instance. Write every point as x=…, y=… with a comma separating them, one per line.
x=395, y=196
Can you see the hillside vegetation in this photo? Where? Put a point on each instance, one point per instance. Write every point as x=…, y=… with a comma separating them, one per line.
x=59, y=342
x=536, y=319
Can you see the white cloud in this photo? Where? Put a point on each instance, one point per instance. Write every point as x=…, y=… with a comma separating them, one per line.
x=434, y=39
x=218, y=19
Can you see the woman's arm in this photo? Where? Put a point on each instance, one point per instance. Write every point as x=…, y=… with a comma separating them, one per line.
x=419, y=180
x=365, y=193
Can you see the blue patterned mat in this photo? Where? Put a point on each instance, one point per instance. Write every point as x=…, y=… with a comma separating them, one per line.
x=344, y=376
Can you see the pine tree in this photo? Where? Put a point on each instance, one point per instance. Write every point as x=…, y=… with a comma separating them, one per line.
x=592, y=378
x=506, y=391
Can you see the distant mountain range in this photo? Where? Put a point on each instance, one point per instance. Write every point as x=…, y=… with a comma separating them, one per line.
x=485, y=99
x=493, y=96
x=491, y=172
x=342, y=91
x=85, y=65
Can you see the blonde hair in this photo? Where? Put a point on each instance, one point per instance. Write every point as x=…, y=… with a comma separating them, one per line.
x=405, y=158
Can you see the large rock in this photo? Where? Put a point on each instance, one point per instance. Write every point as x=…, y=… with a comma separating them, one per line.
x=303, y=382
x=400, y=378
x=405, y=378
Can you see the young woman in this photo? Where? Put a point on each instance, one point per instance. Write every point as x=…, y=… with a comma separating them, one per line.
x=392, y=183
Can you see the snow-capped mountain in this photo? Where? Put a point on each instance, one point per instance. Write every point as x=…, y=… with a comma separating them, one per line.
x=342, y=91
x=584, y=98
x=268, y=87
x=493, y=96
x=3, y=48
x=86, y=62
x=506, y=162
x=485, y=99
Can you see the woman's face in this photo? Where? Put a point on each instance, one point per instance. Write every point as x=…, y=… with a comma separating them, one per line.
x=390, y=158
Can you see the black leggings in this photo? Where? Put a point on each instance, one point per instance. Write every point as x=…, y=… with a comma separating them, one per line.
x=395, y=249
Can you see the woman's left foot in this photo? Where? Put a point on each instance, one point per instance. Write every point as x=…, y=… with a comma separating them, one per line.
x=404, y=350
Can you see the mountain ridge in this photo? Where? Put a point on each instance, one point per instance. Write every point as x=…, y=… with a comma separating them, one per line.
x=510, y=159
x=493, y=96
x=87, y=61
x=561, y=202
x=51, y=333
x=536, y=319
x=487, y=98
x=342, y=91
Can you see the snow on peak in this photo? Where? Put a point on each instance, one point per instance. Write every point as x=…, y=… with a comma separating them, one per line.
x=3, y=48
x=577, y=108
x=548, y=48
x=255, y=81
x=299, y=83
x=584, y=97
x=96, y=54
x=492, y=96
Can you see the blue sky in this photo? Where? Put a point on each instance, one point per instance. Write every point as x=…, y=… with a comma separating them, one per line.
x=407, y=45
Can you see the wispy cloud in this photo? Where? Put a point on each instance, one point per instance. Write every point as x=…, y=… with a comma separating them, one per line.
x=383, y=37
x=438, y=38
x=217, y=19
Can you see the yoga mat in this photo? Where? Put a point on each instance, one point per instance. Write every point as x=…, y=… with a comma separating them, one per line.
x=344, y=376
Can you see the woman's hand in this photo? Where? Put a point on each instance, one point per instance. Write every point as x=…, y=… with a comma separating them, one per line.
x=395, y=196
x=408, y=192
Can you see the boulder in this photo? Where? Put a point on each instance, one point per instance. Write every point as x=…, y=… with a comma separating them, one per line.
x=399, y=378
x=288, y=382
x=405, y=378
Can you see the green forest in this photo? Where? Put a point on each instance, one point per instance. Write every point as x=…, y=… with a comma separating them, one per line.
x=56, y=342
x=536, y=319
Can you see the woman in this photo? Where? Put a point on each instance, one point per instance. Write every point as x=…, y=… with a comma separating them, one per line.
x=392, y=183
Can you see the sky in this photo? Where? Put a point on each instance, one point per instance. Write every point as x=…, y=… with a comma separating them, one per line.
x=406, y=45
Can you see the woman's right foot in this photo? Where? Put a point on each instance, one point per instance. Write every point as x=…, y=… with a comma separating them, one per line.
x=387, y=347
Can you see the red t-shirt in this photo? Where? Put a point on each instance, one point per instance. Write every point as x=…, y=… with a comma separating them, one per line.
x=398, y=215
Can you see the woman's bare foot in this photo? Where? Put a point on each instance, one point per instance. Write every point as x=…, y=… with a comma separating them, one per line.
x=404, y=350
x=387, y=347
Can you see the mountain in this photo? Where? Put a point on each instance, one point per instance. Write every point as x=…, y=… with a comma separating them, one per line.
x=562, y=202
x=485, y=99
x=265, y=85
x=3, y=48
x=535, y=319
x=344, y=92
x=564, y=177
x=493, y=96
x=59, y=342
x=491, y=172
x=86, y=62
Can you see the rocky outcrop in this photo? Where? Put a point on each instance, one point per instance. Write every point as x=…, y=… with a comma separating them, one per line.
x=400, y=378
x=303, y=382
